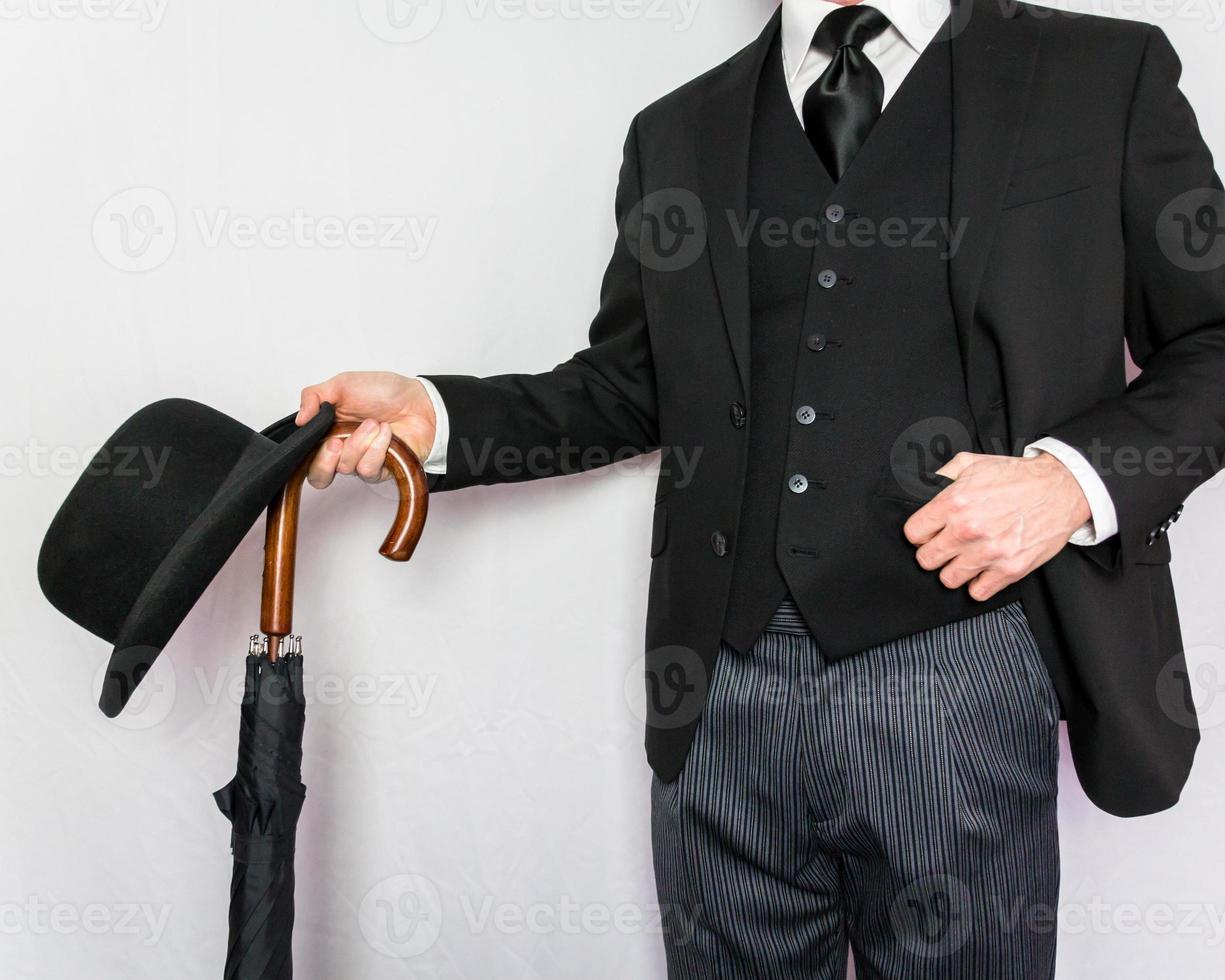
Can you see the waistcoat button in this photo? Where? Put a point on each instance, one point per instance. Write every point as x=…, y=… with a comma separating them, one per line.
x=718, y=543
x=828, y=278
x=798, y=483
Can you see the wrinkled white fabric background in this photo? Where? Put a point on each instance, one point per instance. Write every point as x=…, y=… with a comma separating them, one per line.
x=478, y=797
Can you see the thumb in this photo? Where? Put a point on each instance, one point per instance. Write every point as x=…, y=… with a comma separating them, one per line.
x=957, y=465
x=313, y=397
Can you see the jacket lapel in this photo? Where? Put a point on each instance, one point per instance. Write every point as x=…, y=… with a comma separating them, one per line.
x=723, y=168
x=994, y=50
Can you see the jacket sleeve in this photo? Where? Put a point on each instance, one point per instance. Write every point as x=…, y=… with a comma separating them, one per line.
x=1165, y=435
x=596, y=408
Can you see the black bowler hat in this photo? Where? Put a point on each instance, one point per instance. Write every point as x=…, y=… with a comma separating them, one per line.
x=161, y=507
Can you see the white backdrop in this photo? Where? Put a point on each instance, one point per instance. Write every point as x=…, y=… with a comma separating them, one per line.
x=227, y=201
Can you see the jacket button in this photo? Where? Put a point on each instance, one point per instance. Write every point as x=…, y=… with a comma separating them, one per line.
x=738, y=415
x=816, y=341
x=798, y=483
x=805, y=415
x=718, y=543
x=827, y=278
x=835, y=213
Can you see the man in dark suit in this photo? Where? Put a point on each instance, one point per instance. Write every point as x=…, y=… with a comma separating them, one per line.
x=875, y=274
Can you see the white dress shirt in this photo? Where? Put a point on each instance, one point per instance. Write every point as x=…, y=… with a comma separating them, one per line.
x=436, y=461
x=913, y=25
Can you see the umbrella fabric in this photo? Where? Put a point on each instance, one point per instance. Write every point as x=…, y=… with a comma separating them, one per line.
x=262, y=803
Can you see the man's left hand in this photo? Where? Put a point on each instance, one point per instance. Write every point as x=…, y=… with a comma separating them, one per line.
x=1002, y=517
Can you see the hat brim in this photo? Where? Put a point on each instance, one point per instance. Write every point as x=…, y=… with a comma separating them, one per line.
x=199, y=554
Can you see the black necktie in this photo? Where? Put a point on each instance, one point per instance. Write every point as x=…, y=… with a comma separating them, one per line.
x=844, y=103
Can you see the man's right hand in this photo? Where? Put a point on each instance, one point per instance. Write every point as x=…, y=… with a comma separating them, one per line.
x=384, y=403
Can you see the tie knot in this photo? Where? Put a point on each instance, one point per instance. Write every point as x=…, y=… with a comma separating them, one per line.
x=853, y=25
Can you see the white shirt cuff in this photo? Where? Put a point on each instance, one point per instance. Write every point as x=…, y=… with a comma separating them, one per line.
x=1105, y=521
x=436, y=461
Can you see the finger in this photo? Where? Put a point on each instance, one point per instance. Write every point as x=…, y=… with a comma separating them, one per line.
x=989, y=582
x=323, y=467
x=371, y=466
x=313, y=397
x=958, y=465
x=939, y=551
x=356, y=446
x=926, y=522
x=938, y=513
x=960, y=571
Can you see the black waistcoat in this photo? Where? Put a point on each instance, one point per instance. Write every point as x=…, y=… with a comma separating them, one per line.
x=856, y=387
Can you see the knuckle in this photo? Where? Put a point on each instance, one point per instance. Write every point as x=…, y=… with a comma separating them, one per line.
x=970, y=529
x=1014, y=568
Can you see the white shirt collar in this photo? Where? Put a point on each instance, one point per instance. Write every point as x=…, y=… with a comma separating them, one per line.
x=916, y=20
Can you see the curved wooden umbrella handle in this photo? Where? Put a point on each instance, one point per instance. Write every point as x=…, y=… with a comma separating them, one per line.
x=281, y=536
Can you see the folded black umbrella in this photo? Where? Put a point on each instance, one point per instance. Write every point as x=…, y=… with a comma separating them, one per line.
x=262, y=803
x=264, y=799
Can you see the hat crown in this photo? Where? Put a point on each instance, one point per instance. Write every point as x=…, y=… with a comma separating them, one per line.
x=140, y=493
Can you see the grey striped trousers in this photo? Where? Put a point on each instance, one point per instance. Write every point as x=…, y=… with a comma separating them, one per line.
x=900, y=802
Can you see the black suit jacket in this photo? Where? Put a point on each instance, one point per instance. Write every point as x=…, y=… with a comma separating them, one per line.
x=1077, y=165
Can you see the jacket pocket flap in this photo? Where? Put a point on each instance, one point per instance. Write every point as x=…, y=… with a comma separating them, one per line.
x=1054, y=179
